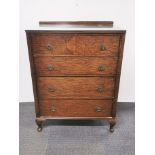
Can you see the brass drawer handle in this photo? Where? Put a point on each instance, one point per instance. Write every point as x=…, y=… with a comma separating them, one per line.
x=51, y=89
x=49, y=47
x=100, y=89
x=101, y=67
x=50, y=67
x=98, y=109
x=53, y=109
x=102, y=47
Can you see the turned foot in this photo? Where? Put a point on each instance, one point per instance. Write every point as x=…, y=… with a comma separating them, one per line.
x=112, y=124
x=39, y=122
x=39, y=129
x=111, y=129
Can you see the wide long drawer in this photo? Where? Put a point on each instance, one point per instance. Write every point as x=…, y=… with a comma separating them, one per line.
x=75, y=87
x=57, y=66
x=75, y=108
x=75, y=44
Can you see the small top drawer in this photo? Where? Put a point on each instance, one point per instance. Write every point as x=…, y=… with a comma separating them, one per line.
x=54, y=44
x=98, y=45
x=76, y=44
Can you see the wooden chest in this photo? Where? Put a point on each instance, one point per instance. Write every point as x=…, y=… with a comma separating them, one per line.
x=75, y=73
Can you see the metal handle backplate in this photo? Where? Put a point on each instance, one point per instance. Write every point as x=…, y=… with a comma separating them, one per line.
x=53, y=109
x=49, y=47
x=100, y=89
x=51, y=89
x=50, y=67
x=102, y=47
x=98, y=109
x=101, y=67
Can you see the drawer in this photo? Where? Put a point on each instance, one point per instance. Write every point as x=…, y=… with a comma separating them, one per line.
x=57, y=66
x=75, y=87
x=75, y=44
x=54, y=44
x=98, y=45
x=75, y=108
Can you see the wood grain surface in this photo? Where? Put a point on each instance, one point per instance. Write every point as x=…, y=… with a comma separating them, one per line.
x=61, y=66
x=75, y=108
x=78, y=87
x=68, y=80
x=75, y=44
x=91, y=45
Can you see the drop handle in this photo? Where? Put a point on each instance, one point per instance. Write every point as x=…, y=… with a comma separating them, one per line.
x=101, y=68
x=102, y=47
x=50, y=67
x=53, y=109
x=49, y=47
x=51, y=89
x=100, y=89
x=98, y=109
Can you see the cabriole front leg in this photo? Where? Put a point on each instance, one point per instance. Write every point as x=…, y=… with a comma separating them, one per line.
x=39, y=123
x=112, y=123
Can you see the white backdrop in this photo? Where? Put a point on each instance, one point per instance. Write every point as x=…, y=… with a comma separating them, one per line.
x=119, y=11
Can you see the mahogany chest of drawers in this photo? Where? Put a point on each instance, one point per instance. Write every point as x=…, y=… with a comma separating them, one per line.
x=75, y=74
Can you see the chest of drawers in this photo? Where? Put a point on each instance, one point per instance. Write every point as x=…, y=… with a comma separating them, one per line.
x=75, y=74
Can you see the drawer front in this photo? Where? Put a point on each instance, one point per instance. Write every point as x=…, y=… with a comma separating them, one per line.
x=56, y=66
x=75, y=87
x=76, y=108
x=76, y=44
x=54, y=44
x=98, y=45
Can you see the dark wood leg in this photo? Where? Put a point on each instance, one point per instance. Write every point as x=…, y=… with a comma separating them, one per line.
x=112, y=124
x=39, y=122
